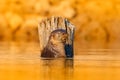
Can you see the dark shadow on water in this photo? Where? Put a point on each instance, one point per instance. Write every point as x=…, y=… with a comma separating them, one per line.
x=69, y=68
x=57, y=69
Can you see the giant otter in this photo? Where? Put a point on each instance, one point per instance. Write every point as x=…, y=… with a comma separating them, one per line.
x=55, y=47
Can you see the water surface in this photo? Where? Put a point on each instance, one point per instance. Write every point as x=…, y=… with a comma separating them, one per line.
x=21, y=61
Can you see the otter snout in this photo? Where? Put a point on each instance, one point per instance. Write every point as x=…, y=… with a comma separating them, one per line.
x=64, y=37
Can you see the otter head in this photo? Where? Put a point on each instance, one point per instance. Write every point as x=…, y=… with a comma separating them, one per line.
x=56, y=44
x=58, y=36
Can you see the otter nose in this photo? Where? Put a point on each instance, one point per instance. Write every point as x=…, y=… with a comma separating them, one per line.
x=64, y=37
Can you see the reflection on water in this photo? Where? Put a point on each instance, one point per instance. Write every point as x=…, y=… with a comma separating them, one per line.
x=57, y=69
x=20, y=61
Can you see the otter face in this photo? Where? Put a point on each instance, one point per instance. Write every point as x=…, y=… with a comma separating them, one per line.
x=59, y=35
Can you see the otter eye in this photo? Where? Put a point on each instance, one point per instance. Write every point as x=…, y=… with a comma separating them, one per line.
x=63, y=33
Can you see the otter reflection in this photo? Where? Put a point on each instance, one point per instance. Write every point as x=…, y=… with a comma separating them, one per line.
x=61, y=69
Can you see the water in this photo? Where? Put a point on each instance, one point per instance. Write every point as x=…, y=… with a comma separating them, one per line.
x=21, y=61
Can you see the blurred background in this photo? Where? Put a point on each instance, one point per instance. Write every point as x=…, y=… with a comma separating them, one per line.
x=97, y=21
x=96, y=41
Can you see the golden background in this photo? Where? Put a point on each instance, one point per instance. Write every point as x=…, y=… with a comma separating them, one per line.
x=97, y=32
x=96, y=21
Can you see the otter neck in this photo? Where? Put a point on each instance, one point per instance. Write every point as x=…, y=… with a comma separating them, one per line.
x=57, y=48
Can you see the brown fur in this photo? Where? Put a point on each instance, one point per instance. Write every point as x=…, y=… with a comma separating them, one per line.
x=56, y=44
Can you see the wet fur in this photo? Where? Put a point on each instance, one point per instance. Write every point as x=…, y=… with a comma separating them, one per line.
x=56, y=46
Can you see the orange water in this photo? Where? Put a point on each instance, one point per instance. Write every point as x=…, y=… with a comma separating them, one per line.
x=22, y=62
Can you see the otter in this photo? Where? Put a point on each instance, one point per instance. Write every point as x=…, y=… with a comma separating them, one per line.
x=55, y=47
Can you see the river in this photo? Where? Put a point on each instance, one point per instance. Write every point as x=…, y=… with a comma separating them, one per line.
x=22, y=61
